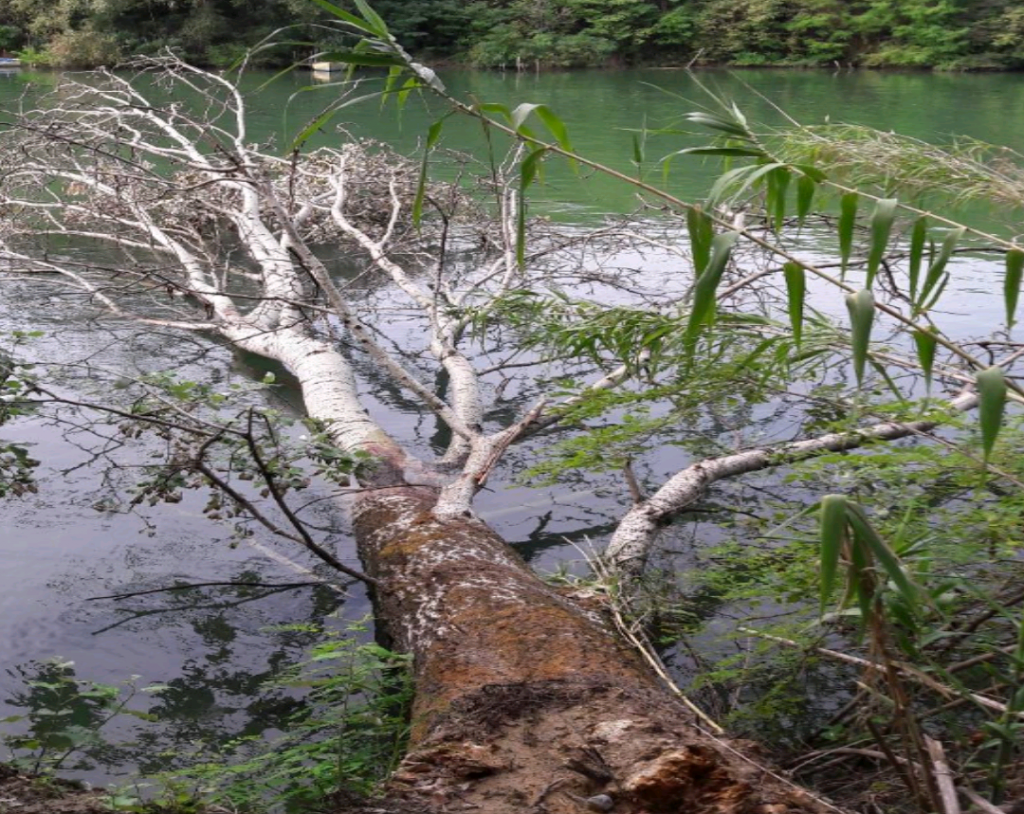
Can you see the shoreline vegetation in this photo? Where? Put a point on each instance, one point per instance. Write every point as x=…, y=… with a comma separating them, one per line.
x=540, y=34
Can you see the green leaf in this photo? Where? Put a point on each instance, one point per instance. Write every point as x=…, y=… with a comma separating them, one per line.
x=394, y=74
x=722, y=125
x=918, y=238
x=522, y=113
x=811, y=172
x=992, y=401
x=796, y=286
x=847, y=222
x=805, y=189
x=751, y=152
x=890, y=563
x=1011, y=283
x=883, y=372
x=707, y=285
x=778, y=185
x=555, y=126
x=527, y=173
x=411, y=84
x=370, y=60
x=702, y=232
x=938, y=266
x=373, y=18
x=530, y=167
x=926, y=344
x=496, y=107
x=881, y=227
x=862, y=315
x=726, y=180
x=638, y=150
x=748, y=175
x=833, y=537
x=326, y=116
x=349, y=18
x=433, y=134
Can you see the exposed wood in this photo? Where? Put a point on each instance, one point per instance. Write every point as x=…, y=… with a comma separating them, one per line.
x=514, y=683
x=943, y=776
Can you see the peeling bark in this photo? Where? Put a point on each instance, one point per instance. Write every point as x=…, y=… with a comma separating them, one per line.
x=526, y=702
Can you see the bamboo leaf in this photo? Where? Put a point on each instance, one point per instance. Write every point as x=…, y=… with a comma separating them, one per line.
x=917, y=242
x=805, y=189
x=403, y=94
x=861, y=582
x=926, y=344
x=496, y=107
x=433, y=134
x=702, y=232
x=752, y=175
x=1011, y=283
x=704, y=301
x=847, y=222
x=751, y=152
x=778, y=182
x=811, y=172
x=394, y=74
x=373, y=18
x=938, y=265
x=885, y=556
x=832, y=531
x=364, y=59
x=325, y=117
x=346, y=16
x=862, y=315
x=881, y=228
x=522, y=113
x=726, y=180
x=722, y=125
x=796, y=286
x=883, y=372
x=992, y=401
x=638, y=150
x=530, y=168
x=527, y=173
x=555, y=126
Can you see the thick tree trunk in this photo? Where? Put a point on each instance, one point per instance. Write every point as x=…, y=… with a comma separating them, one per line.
x=524, y=701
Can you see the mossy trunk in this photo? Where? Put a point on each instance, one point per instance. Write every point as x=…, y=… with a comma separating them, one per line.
x=524, y=701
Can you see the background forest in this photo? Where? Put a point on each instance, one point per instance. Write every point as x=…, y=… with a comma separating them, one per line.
x=942, y=34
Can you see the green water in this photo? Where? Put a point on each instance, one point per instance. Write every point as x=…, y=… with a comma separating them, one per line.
x=66, y=551
x=605, y=109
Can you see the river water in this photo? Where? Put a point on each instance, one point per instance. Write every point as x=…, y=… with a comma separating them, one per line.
x=67, y=544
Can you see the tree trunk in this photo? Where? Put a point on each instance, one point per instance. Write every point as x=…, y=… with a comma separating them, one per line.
x=525, y=701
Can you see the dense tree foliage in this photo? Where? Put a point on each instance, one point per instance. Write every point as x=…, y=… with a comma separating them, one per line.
x=947, y=34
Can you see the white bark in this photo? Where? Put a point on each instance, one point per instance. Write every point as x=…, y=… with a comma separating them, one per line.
x=637, y=532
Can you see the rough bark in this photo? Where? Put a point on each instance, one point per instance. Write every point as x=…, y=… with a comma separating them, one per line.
x=525, y=701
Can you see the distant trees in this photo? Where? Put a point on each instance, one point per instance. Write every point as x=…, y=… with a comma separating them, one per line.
x=946, y=34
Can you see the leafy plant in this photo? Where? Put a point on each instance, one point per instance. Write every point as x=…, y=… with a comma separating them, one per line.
x=348, y=736
x=62, y=727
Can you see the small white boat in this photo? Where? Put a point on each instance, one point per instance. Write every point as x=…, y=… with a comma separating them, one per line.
x=9, y=62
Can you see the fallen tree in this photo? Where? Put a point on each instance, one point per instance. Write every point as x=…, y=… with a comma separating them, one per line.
x=525, y=700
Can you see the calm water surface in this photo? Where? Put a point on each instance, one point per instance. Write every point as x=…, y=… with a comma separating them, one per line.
x=63, y=546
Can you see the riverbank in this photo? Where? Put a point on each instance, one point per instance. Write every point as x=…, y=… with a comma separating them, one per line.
x=25, y=794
